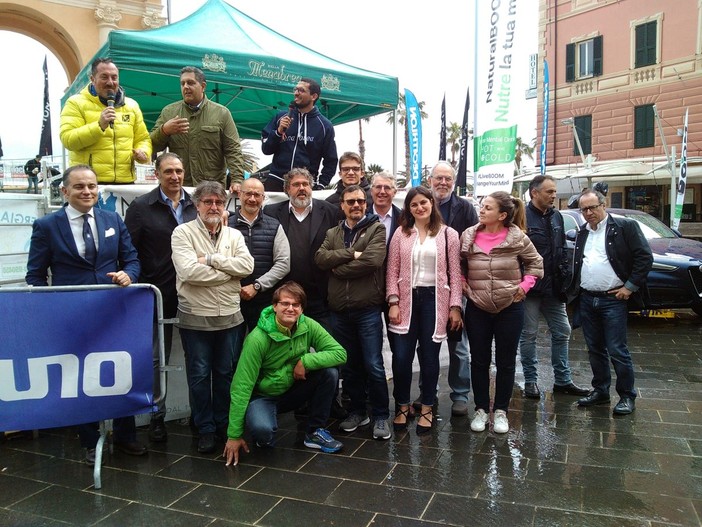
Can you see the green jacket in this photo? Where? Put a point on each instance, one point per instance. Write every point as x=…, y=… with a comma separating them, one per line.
x=354, y=283
x=210, y=147
x=268, y=359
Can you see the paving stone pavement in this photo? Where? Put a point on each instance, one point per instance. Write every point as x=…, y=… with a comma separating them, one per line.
x=559, y=465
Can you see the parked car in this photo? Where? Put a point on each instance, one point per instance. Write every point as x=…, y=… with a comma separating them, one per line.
x=675, y=281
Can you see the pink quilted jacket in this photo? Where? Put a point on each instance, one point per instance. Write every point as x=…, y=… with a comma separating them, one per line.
x=399, y=278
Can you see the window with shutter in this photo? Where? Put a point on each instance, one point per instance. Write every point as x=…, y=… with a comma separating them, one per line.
x=644, y=126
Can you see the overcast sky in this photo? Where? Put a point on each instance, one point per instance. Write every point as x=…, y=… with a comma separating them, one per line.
x=428, y=46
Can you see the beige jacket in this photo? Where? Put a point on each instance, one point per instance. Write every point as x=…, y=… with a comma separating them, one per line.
x=209, y=290
x=493, y=278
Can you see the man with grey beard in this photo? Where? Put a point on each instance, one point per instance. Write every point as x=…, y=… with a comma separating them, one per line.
x=305, y=221
x=210, y=259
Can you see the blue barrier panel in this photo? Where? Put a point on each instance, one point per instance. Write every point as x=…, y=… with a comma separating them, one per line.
x=70, y=357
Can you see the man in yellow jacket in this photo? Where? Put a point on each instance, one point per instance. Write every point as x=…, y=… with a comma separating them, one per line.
x=103, y=128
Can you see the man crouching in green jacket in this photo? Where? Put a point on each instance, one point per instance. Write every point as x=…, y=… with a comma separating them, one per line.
x=278, y=373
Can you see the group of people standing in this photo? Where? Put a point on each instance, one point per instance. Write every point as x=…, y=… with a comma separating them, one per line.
x=275, y=303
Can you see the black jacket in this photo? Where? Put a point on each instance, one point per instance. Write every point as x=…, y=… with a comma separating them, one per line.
x=308, y=140
x=461, y=214
x=629, y=255
x=335, y=199
x=323, y=217
x=151, y=223
x=547, y=233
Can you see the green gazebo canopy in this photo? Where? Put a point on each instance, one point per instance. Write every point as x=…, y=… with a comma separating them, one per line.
x=250, y=68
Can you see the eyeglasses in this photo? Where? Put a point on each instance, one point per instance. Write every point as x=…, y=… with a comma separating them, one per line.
x=346, y=170
x=210, y=202
x=251, y=194
x=351, y=202
x=386, y=188
x=286, y=305
x=591, y=208
x=300, y=90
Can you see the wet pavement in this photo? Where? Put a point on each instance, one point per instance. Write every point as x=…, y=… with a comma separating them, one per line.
x=558, y=465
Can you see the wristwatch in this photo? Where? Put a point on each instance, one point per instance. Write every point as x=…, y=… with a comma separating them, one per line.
x=257, y=286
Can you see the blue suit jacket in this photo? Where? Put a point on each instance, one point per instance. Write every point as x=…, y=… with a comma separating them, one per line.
x=53, y=246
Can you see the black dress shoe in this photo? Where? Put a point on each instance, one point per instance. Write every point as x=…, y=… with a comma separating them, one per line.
x=132, y=448
x=594, y=398
x=625, y=406
x=337, y=411
x=157, y=431
x=531, y=390
x=570, y=389
x=206, y=443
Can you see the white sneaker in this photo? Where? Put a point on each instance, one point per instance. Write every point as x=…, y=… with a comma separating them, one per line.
x=500, y=424
x=480, y=420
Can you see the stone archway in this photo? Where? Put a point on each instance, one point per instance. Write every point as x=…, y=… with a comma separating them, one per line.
x=74, y=32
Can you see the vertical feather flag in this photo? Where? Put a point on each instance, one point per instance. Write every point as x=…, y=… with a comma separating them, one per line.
x=45, y=146
x=414, y=129
x=463, y=154
x=442, y=134
x=544, y=127
x=683, y=177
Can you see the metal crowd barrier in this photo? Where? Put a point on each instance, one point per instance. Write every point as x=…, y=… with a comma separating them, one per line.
x=105, y=425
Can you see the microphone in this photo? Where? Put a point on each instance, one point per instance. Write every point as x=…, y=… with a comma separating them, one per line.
x=111, y=104
x=291, y=112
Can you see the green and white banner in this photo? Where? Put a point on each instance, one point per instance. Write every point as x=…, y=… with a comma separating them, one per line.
x=494, y=141
x=682, y=182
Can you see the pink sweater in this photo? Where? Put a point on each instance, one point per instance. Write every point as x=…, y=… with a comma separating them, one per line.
x=400, y=272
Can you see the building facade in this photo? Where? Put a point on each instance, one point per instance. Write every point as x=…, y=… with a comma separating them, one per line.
x=622, y=75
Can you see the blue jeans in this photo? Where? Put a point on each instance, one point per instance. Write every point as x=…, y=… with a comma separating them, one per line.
x=32, y=181
x=459, y=367
x=554, y=313
x=317, y=390
x=360, y=332
x=604, y=328
x=211, y=358
x=421, y=328
x=505, y=328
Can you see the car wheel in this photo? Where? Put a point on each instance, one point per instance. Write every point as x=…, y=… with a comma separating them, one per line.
x=697, y=308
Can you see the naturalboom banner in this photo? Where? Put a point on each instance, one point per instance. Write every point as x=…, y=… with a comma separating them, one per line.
x=495, y=127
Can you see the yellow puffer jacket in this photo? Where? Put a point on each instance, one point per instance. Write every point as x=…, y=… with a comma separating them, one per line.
x=108, y=152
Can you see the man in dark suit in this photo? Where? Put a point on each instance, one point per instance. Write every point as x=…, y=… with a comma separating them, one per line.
x=151, y=219
x=305, y=221
x=383, y=189
x=66, y=243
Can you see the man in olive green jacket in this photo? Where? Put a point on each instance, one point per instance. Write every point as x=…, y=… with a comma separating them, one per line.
x=202, y=133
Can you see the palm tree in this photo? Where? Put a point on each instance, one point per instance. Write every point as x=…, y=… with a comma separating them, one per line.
x=361, y=142
x=521, y=149
x=373, y=168
x=454, y=139
x=250, y=159
x=401, y=113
